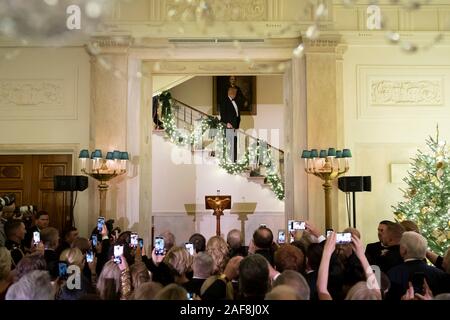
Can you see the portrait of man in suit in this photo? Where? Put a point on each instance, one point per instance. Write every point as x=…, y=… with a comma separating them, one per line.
x=245, y=93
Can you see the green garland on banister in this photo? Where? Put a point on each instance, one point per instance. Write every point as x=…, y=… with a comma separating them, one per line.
x=255, y=151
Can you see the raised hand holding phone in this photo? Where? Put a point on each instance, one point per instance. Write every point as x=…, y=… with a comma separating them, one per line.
x=89, y=256
x=157, y=259
x=330, y=244
x=281, y=237
x=100, y=223
x=36, y=237
x=118, y=253
x=357, y=247
x=134, y=242
x=159, y=246
x=312, y=229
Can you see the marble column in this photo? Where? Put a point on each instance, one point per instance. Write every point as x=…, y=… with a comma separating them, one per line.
x=324, y=117
x=108, y=126
x=296, y=202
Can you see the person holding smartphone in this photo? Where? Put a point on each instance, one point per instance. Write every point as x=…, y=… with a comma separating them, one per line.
x=160, y=271
x=102, y=248
x=372, y=285
x=15, y=233
x=74, y=257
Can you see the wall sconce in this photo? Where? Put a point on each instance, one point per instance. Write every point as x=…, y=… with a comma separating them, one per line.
x=103, y=170
x=327, y=165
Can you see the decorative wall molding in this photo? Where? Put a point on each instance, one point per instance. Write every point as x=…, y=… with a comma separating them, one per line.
x=432, y=16
x=25, y=98
x=216, y=67
x=218, y=10
x=406, y=92
x=39, y=92
x=400, y=91
x=212, y=68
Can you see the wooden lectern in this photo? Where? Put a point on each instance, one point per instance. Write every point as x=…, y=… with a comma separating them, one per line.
x=218, y=204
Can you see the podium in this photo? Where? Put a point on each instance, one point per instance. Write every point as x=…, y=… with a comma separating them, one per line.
x=218, y=204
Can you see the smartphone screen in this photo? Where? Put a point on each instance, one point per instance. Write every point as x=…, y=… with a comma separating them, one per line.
x=36, y=237
x=89, y=256
x=299, y=225
x=159, y=246
x=418, y=279
x=62, y=270
x=189, y=247
x=281, y=236
x=343, y=237
x=100, y=223
x=290, y=225
x=94, y=241
x=329, y=231
x=141, y=242
x=134, y=240
x=118, y=251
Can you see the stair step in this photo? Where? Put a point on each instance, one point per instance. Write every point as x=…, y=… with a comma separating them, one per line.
x=259, y=180
x=159, y=132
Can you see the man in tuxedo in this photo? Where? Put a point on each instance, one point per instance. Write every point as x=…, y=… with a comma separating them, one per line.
x=230, y=115
x=413, y=247
x=41, y=222
x=390, y=254
x=373, y=250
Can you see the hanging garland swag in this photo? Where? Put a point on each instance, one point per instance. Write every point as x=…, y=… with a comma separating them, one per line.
x=254, y=151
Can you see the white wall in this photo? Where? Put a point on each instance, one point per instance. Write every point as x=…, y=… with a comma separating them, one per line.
x=44, y=101
x=179, y=190
x=386, y=126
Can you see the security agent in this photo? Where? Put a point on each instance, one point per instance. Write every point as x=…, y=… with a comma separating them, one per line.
x=7, y=204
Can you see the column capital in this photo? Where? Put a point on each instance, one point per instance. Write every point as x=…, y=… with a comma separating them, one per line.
x=329, y=43
x=109, y=45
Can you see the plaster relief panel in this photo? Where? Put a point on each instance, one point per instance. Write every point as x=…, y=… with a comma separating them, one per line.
x=38, y=99
x=402, y=91
x=31, y=92
x=218, y=10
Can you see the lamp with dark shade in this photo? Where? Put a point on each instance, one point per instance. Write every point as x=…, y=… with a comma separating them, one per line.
x=103, y=170
x=327, y=165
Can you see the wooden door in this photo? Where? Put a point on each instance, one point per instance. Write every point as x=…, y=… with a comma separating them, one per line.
x=30, y=178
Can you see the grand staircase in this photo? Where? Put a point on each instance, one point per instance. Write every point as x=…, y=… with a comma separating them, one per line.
x=189, y=119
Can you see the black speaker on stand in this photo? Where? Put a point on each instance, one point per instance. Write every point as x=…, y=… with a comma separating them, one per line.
x=70, y=183
x=353, y=185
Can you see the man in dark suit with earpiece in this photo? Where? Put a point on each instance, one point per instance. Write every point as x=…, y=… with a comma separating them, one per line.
x=230, y=115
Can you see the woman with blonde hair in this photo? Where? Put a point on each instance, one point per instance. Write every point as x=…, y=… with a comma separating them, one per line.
x=179, y=261
x=5, y=269
x=139, y=274
x=361, y=291
x=217, y=248
x=75, y=260
x=108, y=283
x=172, y=292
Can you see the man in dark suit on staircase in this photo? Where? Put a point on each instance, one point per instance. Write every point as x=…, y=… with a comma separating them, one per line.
x=230, y=115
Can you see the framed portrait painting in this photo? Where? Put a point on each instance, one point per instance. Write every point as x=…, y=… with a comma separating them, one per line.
x=245, y=94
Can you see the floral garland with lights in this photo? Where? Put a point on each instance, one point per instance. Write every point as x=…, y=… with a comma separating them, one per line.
x=255, y=152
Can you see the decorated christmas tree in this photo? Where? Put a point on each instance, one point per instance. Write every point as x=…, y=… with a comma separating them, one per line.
x=428, y=194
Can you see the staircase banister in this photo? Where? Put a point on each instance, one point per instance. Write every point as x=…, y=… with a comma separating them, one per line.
x=239, y=130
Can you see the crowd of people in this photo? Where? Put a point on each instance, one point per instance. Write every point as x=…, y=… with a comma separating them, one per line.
x=311, y=267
